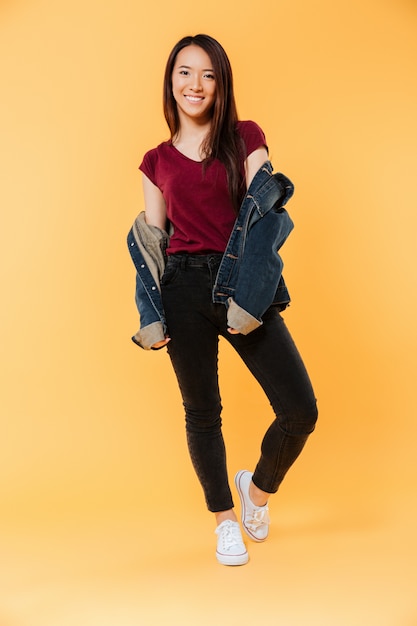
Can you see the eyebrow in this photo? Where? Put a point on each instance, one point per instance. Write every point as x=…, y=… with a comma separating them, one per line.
x=187, y=67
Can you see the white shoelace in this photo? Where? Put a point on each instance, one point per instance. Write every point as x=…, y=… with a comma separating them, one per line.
x=229, y=534
x=259, y=517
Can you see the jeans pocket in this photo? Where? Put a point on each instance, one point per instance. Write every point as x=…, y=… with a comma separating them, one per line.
x=170, y=272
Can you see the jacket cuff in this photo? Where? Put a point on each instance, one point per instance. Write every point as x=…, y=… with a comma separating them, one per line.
x=239, y=319
x=147, y=336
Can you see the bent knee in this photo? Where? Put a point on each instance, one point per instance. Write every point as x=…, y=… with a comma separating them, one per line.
x=199, y=420
x=300, y=421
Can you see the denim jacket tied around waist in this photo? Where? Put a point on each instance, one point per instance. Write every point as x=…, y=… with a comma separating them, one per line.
x=249, y=279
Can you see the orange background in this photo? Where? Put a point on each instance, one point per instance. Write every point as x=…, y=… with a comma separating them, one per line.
x=102, y=520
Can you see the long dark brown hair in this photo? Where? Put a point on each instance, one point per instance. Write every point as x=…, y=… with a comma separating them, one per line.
x=223, y=141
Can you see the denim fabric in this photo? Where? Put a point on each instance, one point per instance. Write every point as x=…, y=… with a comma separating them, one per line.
x=147, y=293
x=250, y=272
x=251, y=269
x=195, y=323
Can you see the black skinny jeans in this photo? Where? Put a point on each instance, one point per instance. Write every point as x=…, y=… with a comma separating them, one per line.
x=194, y=325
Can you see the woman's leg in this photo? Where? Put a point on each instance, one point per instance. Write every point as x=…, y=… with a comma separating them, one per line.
x=193, y=349
x=272, y=357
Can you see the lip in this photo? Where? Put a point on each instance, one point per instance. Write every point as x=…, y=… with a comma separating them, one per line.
x=194, y=99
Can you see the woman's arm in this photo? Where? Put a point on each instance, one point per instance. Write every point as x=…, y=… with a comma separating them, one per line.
x=252, y=164
x=254, y=161
x=156, y=215
x=155, y=208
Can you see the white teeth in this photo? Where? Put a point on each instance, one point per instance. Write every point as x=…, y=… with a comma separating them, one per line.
x=194, y=98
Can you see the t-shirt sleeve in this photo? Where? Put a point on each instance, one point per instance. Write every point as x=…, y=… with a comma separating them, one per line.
x=252, y=135
x=148, y=166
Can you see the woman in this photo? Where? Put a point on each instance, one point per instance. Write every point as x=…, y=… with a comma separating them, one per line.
x=196, y=182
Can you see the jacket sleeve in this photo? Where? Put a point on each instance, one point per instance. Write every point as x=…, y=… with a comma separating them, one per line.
x=147, y=296
x=152, y=327
x=260, y=270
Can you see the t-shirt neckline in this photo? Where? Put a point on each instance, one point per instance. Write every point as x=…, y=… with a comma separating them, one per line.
x=182, y=154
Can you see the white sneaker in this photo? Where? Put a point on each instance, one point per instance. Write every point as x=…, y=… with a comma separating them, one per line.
x=230, y=547
x=255, y=519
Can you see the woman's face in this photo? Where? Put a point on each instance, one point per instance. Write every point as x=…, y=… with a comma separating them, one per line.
x=194, y=84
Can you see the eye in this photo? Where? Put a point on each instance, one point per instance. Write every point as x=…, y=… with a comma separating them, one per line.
x=184, y=72
x=209, y=76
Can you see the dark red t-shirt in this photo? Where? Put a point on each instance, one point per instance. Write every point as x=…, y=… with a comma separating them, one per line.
x=198, y=202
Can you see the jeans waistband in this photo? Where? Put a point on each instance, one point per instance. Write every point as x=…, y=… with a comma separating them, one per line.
x=196, y=260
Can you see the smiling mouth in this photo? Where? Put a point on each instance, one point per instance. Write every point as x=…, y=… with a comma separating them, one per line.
x=194, y=98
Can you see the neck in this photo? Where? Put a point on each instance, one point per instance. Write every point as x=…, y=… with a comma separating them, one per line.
x=190, y=137
x=193, y=128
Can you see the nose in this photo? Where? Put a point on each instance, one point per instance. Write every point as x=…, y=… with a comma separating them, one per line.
x=196, y=82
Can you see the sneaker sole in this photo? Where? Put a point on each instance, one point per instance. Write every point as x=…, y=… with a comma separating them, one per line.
x=236, y=559
x=243, y=508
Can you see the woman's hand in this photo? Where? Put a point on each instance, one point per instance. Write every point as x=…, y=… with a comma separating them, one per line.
x=233, y=331
x=160, y=344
